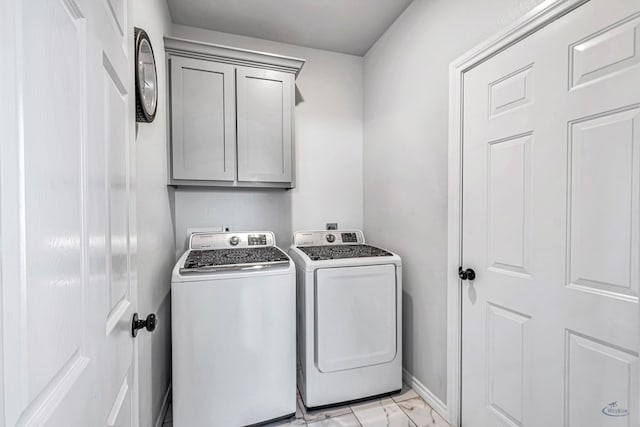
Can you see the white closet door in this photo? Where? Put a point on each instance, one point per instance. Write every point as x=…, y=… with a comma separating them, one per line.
x=67, y=214
x=551, y=186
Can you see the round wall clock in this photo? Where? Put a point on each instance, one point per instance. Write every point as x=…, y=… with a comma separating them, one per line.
x=146, y=78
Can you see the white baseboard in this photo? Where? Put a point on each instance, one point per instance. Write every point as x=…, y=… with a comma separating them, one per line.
x=165, y=406
x=426, y=394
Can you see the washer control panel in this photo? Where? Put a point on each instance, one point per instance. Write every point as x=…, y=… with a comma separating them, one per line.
x=328, y=237
x=212, y=240
x=349, y=237
x=257, y=239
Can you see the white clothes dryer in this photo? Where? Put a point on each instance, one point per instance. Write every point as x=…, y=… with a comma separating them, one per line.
x=349, y=317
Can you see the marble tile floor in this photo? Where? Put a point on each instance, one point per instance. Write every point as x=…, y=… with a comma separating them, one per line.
x=403, y=409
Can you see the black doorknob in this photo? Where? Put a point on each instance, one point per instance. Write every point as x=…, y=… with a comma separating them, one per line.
x=149, y=324
x=467, y=274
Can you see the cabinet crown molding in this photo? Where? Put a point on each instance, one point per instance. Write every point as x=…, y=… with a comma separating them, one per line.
x=232, y=55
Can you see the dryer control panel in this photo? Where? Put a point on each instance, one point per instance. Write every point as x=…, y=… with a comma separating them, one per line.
x=328, y=237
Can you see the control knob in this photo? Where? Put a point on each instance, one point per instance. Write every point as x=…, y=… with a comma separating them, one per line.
x=234, y=241
x=331, y=238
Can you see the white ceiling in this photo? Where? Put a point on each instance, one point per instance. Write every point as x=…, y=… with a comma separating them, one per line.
x=348, y=26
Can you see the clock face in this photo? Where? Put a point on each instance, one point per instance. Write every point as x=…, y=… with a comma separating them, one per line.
x=146, y=79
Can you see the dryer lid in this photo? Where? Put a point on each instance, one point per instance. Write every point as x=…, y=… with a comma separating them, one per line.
x=320, y=253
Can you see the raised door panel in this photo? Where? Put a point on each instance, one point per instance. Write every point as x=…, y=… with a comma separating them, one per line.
x=505, y=364
x=45, y=349
x=603, y=189
x=512, y=91
x=605, y=53
x=509, y=204
x=265, y=101
x=601, y=382
x=203, y=120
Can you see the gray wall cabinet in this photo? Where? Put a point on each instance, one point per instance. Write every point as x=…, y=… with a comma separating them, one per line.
x=231, y=116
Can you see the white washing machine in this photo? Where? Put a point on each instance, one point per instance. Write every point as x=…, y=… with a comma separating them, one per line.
x=233, y=331
x=349, y=317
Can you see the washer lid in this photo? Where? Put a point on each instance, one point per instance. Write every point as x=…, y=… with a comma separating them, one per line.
x=209, y=260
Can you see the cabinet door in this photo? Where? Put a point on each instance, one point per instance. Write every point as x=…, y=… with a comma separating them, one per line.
x=202, y=120
x=265, y=102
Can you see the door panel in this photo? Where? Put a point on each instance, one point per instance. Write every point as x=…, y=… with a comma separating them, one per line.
x=595, y=371
x=203, y=120
x=552, y=226
x=603, y=191
x=52, y=263
x=116, y=164
x=66, y=189
x=509, y=194
x=505, y=357
x=120, y=412
x=355, y=317
x=265, y=115
x=511, y=91
x=605, y=52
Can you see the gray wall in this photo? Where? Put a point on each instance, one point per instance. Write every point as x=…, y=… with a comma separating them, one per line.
x=405, y=158
x=155, y=243
x=268, y=210
x=328, y=132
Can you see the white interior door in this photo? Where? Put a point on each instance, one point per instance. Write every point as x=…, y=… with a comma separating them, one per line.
x=66, y=203
x=551, y=225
